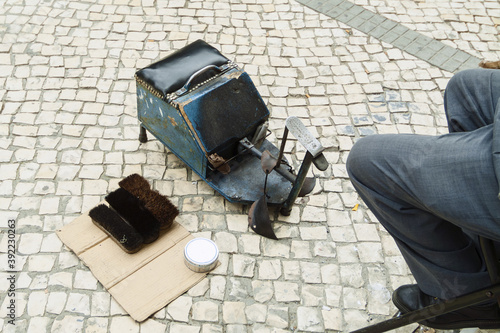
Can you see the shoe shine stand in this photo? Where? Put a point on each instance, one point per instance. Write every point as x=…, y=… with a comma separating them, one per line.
x=477, y=297
x=207, y=111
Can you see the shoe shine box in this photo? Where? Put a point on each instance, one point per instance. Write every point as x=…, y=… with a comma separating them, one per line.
x=200, y=105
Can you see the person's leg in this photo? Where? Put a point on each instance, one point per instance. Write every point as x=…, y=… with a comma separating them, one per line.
x=424, y=190
x=471, y=98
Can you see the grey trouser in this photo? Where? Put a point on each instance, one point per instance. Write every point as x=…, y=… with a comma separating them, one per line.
x=435, y=194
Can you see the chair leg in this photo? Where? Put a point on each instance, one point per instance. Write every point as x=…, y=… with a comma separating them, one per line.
x=431, y=311
x=488, y=249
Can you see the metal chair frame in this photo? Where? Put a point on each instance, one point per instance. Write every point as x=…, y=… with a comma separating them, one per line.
x=486, y=294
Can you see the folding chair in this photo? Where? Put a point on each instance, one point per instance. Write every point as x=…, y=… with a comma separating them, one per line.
x=487, y=294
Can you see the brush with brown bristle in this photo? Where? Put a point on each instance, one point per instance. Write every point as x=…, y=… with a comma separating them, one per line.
x=159, y=205
x=118, y=229
x=161, y=208
x=135, y=184
x=131, y=209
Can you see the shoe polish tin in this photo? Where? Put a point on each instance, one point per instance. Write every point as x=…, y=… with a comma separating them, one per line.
x=200, y=255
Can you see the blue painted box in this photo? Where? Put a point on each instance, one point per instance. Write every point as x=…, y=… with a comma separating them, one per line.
x=204, y=126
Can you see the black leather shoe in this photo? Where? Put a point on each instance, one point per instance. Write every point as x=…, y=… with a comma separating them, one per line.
x=409, y=297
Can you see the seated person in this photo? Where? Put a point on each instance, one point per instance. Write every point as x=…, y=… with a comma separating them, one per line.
x=436, y=194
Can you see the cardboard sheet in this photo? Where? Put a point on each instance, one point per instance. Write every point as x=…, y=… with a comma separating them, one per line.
x=143, y=282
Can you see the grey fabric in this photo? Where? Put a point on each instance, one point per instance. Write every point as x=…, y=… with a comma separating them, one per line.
x=435, y=194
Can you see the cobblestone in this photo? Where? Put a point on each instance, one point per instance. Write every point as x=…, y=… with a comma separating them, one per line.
x=68, y=134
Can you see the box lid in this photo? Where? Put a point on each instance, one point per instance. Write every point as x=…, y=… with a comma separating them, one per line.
x=173, y=72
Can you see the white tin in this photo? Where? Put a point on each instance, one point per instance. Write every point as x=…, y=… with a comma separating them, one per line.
x=201, y=254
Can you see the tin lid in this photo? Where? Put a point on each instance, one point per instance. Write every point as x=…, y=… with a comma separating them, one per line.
x=201, y=251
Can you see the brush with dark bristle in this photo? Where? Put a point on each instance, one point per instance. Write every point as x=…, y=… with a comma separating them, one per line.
x=159, y=205
x=162, y=208
x=135, y=213
x=116, y=228
x=135, y=184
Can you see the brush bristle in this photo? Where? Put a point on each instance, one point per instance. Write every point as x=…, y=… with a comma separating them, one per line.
x=161, y=208
x=119, y=230
x=135, y=213
x=159, y=205
x=135, y=184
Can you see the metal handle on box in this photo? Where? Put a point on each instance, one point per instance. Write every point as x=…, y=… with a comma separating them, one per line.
x=185, y=88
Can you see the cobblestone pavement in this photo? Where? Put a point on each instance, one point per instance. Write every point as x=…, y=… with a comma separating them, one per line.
x=68, y=134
